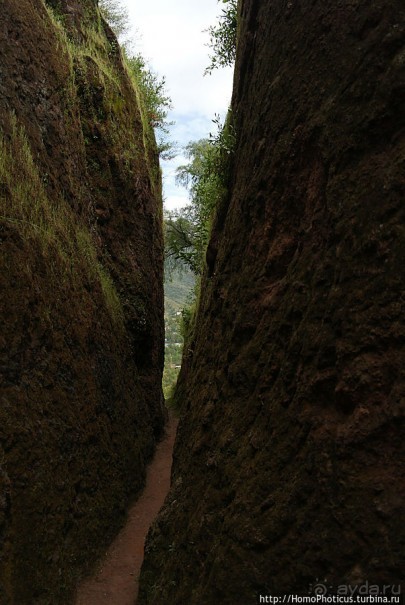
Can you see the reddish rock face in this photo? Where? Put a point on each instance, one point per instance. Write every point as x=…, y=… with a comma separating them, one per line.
x=288, y=460
x=82, y=307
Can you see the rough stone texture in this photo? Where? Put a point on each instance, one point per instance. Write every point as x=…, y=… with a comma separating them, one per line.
x=81, y=402
x=287, y=465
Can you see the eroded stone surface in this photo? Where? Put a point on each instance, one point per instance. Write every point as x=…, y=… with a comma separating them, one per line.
x=81, y=402
x=287, y=465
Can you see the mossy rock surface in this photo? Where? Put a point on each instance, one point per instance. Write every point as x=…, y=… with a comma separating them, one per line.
x=288, y=461
x=81, y=249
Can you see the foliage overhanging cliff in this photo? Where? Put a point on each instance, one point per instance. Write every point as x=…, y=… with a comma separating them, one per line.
x=287, y=462
x=82, y=294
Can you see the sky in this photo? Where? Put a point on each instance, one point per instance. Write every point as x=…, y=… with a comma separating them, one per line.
x=169, y=34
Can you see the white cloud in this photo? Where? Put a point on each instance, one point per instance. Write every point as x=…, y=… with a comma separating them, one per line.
x=170, y=36
x=173, y=202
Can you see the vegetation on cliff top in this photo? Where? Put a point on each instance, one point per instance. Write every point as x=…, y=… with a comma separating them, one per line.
x=155, y=102
x=117, y=17
x=223, y=37
x=154, y=99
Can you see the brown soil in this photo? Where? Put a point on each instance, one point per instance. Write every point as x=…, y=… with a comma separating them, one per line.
x=116, y=581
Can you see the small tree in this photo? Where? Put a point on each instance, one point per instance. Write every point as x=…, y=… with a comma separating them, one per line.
x=223, y=37
x=187, y=229
x=181, y=241
x=206, y=177
x=116, y=15
x=156, y=100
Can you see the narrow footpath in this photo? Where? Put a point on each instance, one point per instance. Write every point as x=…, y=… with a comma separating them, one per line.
x=116, y=581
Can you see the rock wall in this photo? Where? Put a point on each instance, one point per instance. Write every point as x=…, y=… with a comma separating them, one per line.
x=287, y=463
x=82, y=296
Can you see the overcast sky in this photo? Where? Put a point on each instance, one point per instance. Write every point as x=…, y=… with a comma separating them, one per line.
x=169, y=34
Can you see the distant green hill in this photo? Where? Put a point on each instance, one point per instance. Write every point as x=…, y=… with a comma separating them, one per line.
x=178, y=289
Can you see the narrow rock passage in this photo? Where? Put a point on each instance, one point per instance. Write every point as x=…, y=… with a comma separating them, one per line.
x=116, y=581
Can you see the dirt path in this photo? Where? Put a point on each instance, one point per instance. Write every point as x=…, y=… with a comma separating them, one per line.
x=116, y=582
